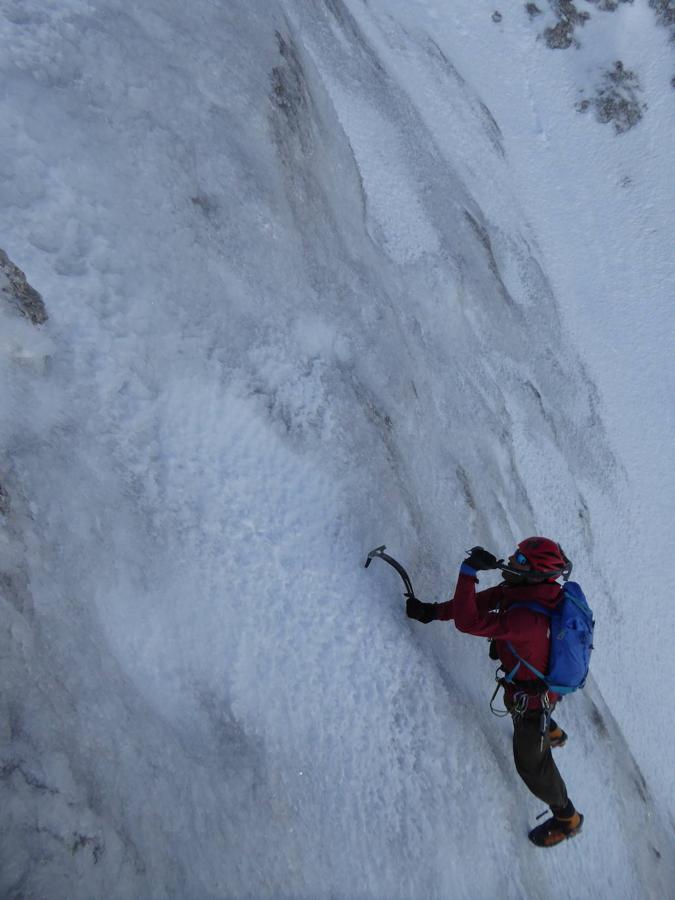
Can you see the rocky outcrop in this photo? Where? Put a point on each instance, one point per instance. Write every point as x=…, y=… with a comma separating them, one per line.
x=617, y=100
x=14, y=288
x=665, y=13
x=561, y=35
x=4, y=501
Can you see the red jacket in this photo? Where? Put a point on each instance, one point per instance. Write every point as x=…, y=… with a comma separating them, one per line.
x=488, y=614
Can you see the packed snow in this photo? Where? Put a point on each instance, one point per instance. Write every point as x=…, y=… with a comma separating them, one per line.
x=322, y=276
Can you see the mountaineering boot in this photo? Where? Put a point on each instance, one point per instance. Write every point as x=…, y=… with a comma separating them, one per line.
x=562, y=825
x=557, y=737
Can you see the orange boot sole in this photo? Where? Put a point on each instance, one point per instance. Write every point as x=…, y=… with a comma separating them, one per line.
x=557, y=738
x=555, y=831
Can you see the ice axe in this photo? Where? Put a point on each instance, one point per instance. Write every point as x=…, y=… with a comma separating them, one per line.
x=380, y=554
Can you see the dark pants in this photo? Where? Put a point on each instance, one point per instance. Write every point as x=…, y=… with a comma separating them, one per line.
x=535, y=764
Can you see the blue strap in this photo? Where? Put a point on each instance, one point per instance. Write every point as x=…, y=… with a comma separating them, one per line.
x=520, y=659
x=535, y=607
x=512, y=673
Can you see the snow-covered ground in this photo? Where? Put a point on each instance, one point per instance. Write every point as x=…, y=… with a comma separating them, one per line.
x=322, y=276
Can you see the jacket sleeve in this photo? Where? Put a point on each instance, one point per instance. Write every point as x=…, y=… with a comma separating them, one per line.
x=472, y=611
x=443, y=612
x=485, y=601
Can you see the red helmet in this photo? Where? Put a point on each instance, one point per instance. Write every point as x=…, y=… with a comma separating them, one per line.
x=545, y=556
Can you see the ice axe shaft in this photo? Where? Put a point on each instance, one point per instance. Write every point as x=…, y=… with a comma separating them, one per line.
x=380, y=554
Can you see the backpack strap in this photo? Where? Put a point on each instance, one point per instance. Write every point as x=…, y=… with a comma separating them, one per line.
x=535, y=607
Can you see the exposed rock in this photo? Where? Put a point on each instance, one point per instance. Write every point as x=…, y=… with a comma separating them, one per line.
x=497, y=16
x=15, y=289
x=618, y=97
x=4, y=501
x=561, y=36
x=290, y=95
x=665, y=13
x=15, y=589
x=617, y=100
x=609, y=5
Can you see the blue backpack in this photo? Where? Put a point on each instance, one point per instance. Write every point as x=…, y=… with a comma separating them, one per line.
x=571, y=641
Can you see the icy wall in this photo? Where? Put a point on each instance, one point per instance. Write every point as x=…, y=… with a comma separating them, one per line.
x=295, y=310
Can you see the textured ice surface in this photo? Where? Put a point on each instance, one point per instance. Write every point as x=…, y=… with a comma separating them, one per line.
x=313, y=279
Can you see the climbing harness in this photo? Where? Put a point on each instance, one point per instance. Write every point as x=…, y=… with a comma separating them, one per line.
x=520, y=702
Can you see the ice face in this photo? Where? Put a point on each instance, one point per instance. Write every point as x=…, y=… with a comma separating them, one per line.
x=309, y=271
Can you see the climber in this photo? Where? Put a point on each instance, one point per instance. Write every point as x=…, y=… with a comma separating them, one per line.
x=516, y=616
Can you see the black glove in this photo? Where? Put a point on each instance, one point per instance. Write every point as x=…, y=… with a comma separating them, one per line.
x=479, y=558
x=416, y=609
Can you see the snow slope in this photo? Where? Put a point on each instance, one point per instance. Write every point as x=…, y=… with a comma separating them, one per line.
x=304, y=300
